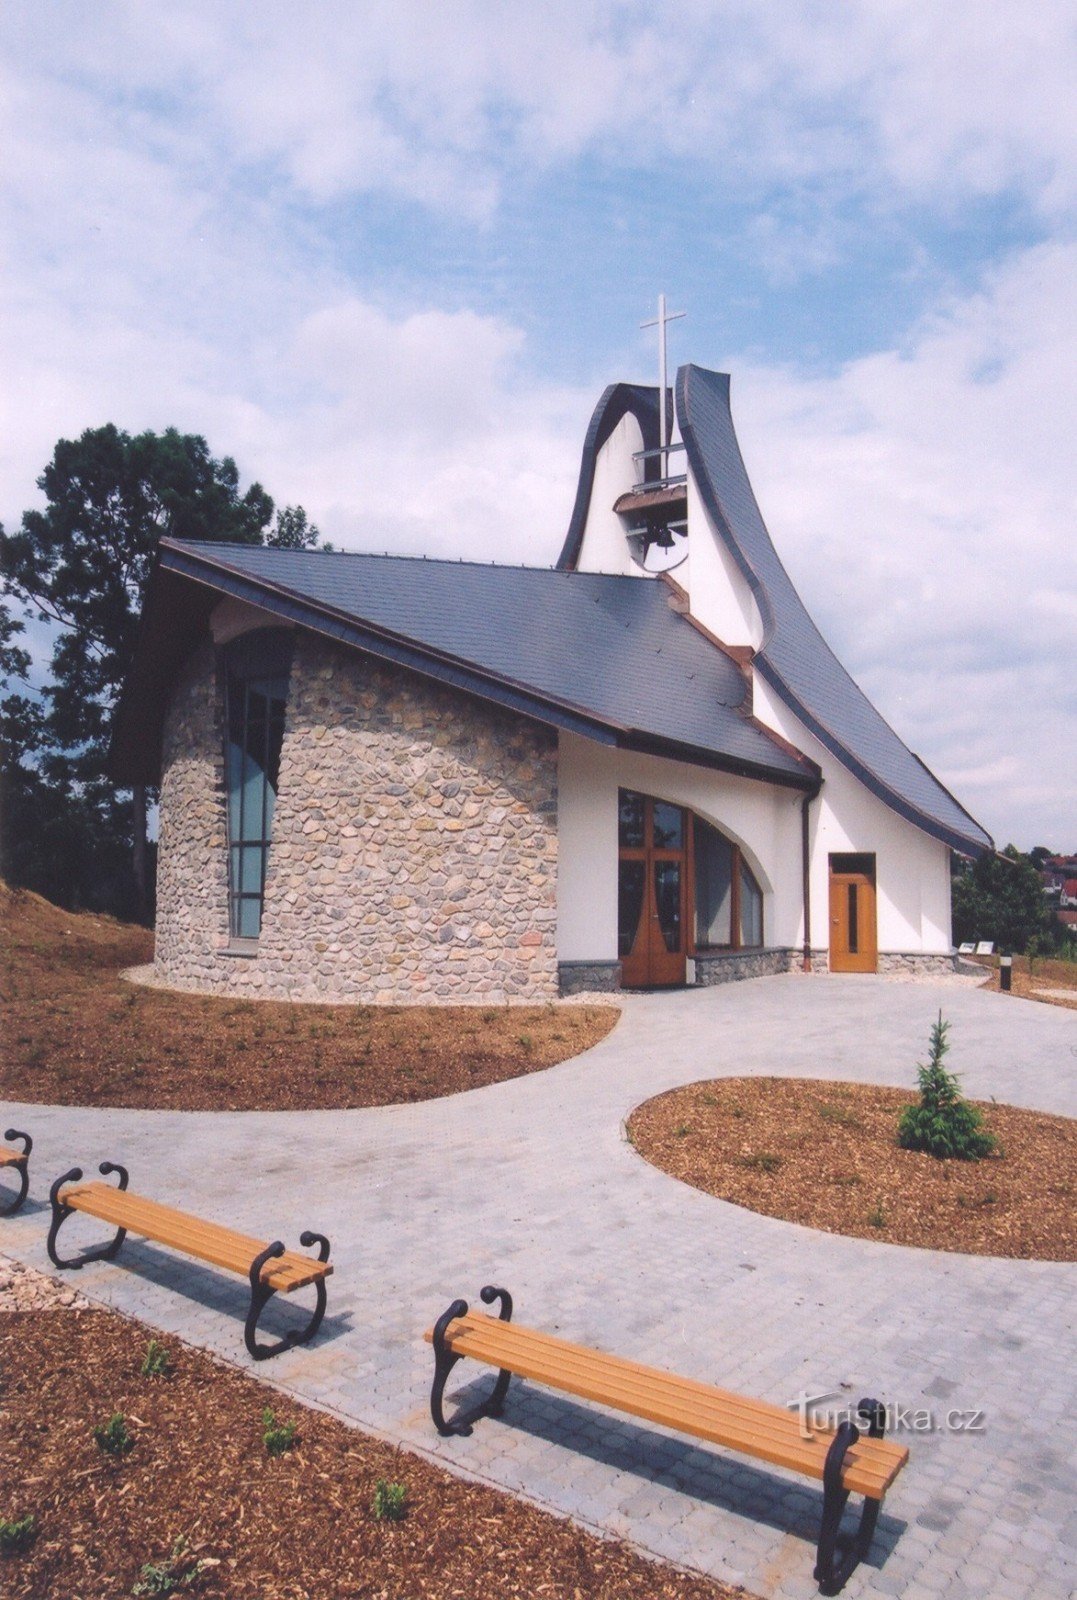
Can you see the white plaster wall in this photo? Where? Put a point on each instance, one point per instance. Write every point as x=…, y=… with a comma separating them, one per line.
x=762, y=819
x=604, y=547
x=717, y=589
x=233, y=617
x=912, y=868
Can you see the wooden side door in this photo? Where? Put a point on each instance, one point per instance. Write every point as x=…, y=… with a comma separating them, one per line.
x=853, y=936
x=652, y=892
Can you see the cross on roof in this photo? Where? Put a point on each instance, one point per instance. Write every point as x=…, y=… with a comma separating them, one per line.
x=660, y=322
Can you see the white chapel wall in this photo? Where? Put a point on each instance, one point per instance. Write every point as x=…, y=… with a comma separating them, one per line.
x=764, y=820
x=718, y=591
x=604, y=547
x=912, y=868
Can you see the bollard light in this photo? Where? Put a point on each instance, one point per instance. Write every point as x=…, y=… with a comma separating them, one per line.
x=1005, y=973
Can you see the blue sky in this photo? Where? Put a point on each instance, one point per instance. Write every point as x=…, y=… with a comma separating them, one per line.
x=388, y=256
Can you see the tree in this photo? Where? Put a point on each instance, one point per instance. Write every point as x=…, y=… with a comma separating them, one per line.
x=1000, y=898
x=82, y=563
x=292, y=531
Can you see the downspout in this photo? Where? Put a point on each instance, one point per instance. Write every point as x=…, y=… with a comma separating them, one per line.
x=805, y=870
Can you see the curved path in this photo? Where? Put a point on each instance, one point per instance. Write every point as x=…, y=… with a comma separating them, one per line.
x=531, y=1184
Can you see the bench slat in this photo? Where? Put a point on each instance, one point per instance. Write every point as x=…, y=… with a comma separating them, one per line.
x=208, y=1241
x=755, y=1428
x=8, y=1156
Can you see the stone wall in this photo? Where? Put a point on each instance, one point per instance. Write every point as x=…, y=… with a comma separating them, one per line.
x=414, y=853
x=917, y=961
x=727, y=966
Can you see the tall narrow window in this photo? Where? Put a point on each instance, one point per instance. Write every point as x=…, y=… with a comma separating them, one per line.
x=257, y=667
x=729, y=902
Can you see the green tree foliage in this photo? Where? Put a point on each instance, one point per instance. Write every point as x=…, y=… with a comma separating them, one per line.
x=82, y=564
x=943, y=1125
x=1000, y=898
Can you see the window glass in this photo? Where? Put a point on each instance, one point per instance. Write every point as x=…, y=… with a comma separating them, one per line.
x=630, y=881
x=714, y=886
x=751, y=909
x=630, y=818
x=256, y=689
x=668, y=826
x=667, y=897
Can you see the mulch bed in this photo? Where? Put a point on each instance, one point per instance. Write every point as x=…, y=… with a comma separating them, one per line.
x=826, y=1154
x=74, y=1032
x=293, y=1527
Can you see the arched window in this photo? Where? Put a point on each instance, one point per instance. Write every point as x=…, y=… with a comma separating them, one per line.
x=256, y=671
x=729, y=902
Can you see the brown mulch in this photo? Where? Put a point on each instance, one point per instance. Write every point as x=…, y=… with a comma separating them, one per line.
x=1043, y=982
x=826, y=1155
x=293, y=1527
x=74, y=1032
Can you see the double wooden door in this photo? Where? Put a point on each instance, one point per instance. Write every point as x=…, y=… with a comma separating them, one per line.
x=652, y=895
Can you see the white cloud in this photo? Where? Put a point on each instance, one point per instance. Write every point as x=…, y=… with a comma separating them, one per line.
x=923, y=503
x=173, y=176
x=445, y=104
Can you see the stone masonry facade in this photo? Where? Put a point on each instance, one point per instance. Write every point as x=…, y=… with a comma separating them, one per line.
x=414, y=849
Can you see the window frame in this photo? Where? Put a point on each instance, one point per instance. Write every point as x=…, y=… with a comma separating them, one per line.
x=259, y=657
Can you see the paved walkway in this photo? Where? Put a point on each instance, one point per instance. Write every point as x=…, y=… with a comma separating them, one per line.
x=531, y=1184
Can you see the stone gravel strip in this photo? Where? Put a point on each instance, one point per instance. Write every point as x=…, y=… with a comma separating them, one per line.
x=531, y=1183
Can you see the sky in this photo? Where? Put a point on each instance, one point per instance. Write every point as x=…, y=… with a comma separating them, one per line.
x=387, y=256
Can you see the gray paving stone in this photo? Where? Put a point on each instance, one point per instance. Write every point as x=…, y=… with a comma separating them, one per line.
x=532, y=1184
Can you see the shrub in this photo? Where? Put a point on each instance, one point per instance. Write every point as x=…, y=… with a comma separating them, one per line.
x=278, y=1436
x=179, y=1571
x=156, y=1363
x=390, y=1501
x=112, y=1437
x=16, y=1536
x=943, y=1125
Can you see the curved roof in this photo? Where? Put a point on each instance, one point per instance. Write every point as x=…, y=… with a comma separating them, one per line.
x=615, y=403
x=794, y=658
x=604, y=656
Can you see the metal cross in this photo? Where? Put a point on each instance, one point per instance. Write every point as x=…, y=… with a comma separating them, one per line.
x=660, y=322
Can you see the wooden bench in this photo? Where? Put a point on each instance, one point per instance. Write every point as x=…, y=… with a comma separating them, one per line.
x=20, y=1161
x=270, y=1268
x=846, y=1459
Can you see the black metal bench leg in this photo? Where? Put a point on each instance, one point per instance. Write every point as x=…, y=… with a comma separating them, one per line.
x=262, y=1294
x=836, y=1560
x=60, y=1213
x=445, y=1359
x=22, y=1167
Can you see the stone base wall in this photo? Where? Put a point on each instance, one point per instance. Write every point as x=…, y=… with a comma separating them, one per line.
x=918, y=962
x=728, y=966
x=414, y=853
x=589, y=977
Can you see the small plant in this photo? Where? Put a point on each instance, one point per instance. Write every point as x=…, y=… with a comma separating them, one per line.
x=112, y=1436
x=840, y=1116
x=16, y=1535
x=279, y=1437
x=877, y=1216
x=682, y=1131
x=762, y=1163
x=390, y=1501
x=179, y=1571
x=527, y=1043
x=944, y=1124
x=156, y=1363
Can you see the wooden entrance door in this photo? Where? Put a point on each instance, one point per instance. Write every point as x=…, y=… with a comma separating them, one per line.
x=652, y=892
x=853, y=938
